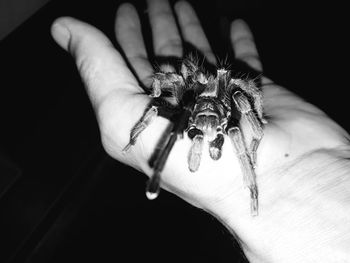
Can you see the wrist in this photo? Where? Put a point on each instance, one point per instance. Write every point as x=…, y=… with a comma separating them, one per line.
x=303, y=212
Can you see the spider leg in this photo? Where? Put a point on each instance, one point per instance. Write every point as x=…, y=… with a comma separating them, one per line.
x=150, y=114
x=215, y=146
x=256, y=128
x=153, y=184
x=195, y=153
x=157, y=107
x=156, y=88
x=251, y=89
x=190, y=71
x=166, y=83
x=249, y=176
x=158, y=161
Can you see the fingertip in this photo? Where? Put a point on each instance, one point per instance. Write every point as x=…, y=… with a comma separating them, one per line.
x=240, y=29
x=179, y=5
x=125, y=8
x=76, y=36
x=60, y=32
x=126, y=15
x=184, y=8
x=239, y=23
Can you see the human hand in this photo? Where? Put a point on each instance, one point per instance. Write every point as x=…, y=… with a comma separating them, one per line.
x=298, y=141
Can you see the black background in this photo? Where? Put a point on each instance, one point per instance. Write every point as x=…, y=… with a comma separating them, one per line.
x=68, y=201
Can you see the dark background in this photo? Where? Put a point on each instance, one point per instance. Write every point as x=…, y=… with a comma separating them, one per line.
x=62, y=199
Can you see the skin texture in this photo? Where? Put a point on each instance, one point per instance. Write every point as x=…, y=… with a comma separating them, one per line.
x=303, y=172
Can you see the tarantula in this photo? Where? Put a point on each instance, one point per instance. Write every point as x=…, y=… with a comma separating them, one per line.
x=205, y=107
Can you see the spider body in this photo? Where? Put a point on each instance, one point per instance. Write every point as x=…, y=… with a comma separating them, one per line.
x=206, y=108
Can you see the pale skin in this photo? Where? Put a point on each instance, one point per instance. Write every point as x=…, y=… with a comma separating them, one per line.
x=303, y=168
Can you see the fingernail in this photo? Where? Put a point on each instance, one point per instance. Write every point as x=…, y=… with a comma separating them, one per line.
x=60, y=33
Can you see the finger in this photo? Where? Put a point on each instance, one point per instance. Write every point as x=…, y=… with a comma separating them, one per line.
x=110, y=84
x=102, y=68
x=129, y=36
x=192, y=30
x=166, y=37
x=244, y=45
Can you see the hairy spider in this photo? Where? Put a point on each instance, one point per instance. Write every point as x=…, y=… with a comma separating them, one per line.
x=205, y=107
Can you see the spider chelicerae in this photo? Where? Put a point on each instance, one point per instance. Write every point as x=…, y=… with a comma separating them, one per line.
x=205, y=107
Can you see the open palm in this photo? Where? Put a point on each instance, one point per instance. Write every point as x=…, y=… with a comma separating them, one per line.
x=295, y=130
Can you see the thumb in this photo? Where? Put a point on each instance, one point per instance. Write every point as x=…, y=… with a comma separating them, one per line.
x=101, y=66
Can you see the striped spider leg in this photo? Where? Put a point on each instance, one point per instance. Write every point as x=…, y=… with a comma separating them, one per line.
x=244, y=99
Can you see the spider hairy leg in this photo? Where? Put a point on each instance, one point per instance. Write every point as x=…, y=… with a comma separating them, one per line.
x=156, y=88
x=256, y=128
x=179, y=123
x=252, y=90
x=149, y=115
x=164, y=82
x=188, y=68
x=153, y=185
x=195, y=153
x=191, y=72
x=254, y=147
x=249, y=176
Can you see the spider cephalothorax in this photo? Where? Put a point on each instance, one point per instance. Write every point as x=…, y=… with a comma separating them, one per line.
x=205, y=107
